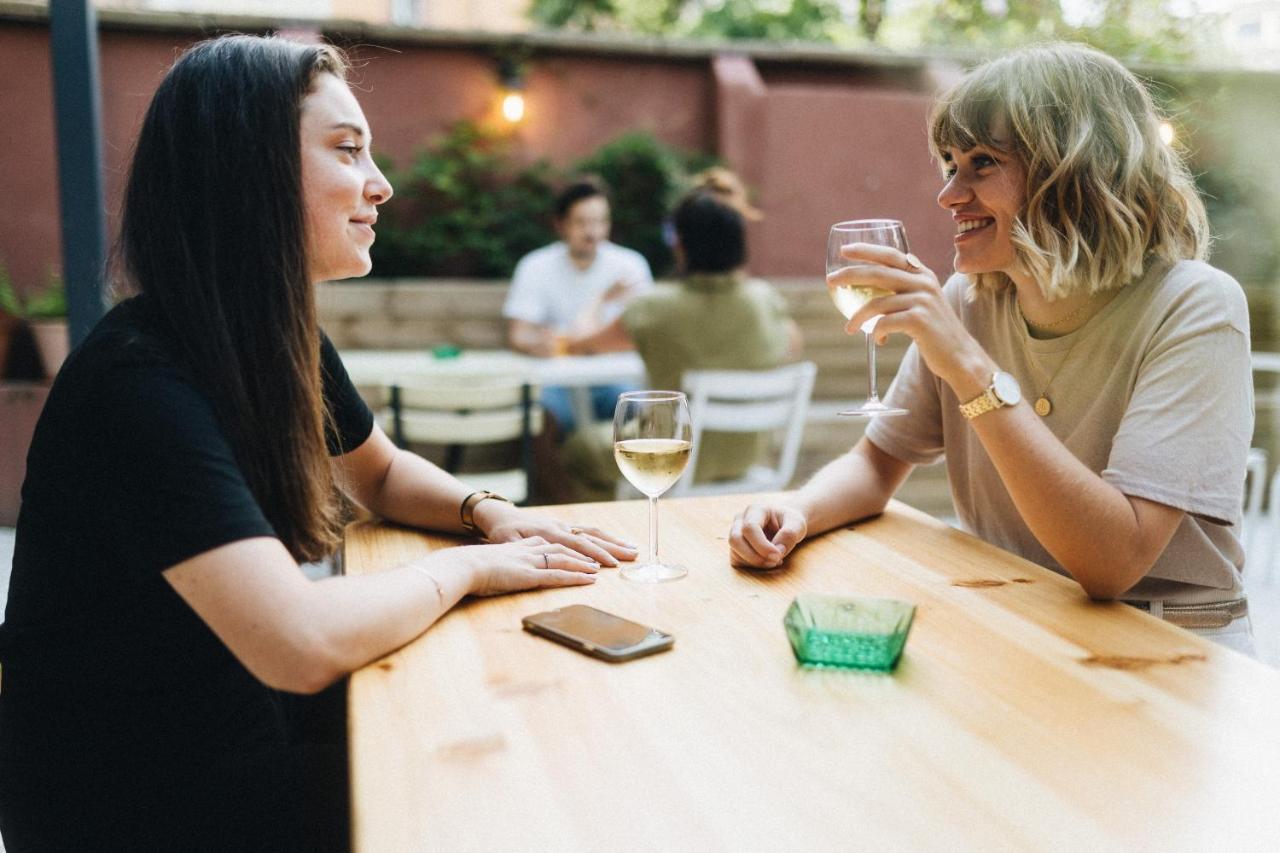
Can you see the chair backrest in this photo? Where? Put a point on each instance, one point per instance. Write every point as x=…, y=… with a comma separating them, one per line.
x=464, y=411
x=749, y=401
x=1262, y=500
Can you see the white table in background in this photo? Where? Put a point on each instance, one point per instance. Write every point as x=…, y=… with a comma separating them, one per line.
x=578, y=372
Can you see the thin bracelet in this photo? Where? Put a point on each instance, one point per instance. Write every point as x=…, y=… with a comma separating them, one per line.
x=422, y=570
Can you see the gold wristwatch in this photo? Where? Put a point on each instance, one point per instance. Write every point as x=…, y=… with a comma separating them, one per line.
x=467, y=512
x=1003, y=391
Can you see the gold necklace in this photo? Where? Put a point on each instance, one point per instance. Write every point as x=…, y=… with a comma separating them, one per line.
x=1043, y=406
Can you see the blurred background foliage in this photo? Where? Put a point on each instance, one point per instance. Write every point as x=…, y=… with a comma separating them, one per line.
x=1148, y=30
x=468, y=207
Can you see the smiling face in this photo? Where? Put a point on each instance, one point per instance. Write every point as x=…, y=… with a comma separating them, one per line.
x=984, y=193
x=341, y=186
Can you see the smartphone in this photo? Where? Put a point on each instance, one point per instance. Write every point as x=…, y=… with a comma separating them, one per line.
x=597, y=633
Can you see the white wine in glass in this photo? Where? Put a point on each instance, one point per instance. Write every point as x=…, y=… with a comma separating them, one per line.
x=652, y=439
x=849, y=299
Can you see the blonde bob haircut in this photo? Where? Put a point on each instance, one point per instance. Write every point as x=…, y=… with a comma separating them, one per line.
x=1104, y=194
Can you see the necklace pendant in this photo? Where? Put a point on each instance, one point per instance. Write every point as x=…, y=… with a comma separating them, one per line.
x=1043, y=407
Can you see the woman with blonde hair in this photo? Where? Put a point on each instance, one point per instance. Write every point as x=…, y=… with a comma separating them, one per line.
x=1085, y=374
x=159, y=632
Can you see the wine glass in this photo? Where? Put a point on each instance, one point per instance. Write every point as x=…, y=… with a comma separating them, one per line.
x=652, y=437
x=848, y=299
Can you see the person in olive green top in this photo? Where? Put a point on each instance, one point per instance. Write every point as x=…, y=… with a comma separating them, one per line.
x=714, y=318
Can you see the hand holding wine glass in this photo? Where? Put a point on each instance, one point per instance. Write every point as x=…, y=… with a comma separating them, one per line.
x=652, y=439
x=849, y=299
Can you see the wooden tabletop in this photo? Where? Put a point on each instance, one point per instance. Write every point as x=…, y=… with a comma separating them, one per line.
x=1022, y=716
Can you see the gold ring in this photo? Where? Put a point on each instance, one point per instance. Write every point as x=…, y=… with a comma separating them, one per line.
x=576, y=531
x=916, y=265
x=546, y=565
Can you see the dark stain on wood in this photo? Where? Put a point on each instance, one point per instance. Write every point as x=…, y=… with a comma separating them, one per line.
x=1126, y=662
x=385, y=665
x=1021, y=580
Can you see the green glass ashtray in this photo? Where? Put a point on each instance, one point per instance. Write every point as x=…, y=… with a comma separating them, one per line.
x=446, y=351
x=832, y=630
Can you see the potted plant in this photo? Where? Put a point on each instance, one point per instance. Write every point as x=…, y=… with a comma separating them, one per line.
x=45, y=313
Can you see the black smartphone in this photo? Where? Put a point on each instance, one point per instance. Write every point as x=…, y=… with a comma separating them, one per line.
x=597, y=633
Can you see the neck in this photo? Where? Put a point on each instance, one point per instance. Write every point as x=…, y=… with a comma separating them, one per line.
x=1047, y=319
x=582, y=260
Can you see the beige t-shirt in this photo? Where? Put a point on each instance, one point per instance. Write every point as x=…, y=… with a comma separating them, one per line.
x=1154, y=393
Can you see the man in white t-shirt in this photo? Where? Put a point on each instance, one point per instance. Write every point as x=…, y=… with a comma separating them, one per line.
x=562, y=293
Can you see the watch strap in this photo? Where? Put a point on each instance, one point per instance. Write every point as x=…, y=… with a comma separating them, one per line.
x=467, y=512
x=981, y=404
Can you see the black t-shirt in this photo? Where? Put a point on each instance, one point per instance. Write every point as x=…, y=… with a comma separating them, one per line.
x=116, y=697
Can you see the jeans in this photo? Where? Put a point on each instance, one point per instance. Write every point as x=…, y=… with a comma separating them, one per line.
x=558, y=401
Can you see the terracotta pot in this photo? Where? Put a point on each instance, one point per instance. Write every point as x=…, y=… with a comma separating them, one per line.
x=54, y=343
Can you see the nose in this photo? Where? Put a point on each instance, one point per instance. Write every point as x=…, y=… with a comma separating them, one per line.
x=377, y=189
x=954, y=192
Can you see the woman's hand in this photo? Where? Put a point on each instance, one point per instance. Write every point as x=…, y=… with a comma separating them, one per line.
x=501, y=522
x=532, y=563
x=764, y=534
x=915, y=307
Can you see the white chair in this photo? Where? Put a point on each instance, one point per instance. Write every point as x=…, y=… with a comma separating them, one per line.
x=458, y=412
x=748, y=401
x=1261, y=533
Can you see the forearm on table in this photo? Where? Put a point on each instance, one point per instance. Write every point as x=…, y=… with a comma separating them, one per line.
x=369, y=616
x=1090, y=527
x=856, y=485
x=417, y=493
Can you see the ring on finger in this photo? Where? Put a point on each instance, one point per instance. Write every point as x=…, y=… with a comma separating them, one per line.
x=914, y=262
x=576, y=531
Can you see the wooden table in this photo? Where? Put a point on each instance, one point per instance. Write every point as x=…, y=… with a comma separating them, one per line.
x=1022, y=716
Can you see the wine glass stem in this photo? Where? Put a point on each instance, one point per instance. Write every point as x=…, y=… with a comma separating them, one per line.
x=872, y=397
x=653, y=531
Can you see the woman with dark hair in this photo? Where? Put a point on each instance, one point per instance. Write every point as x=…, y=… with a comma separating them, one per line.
x=190, y=455
x=1085, y=373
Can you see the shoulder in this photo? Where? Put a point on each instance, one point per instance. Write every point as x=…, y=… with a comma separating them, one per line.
x=658, y=300
x=1196, y=293
x=548, y=255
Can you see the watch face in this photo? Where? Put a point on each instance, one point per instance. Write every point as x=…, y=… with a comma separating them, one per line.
x=1006, y=388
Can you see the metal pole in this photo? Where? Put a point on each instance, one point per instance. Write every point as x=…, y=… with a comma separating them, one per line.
x=78, y=115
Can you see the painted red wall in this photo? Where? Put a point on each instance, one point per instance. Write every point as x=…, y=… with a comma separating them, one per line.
x=849, y=143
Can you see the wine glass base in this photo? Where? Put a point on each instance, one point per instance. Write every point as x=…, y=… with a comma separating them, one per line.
x=653, y=573
x=872, y=410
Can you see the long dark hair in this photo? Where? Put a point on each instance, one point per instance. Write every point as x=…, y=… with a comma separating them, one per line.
x=213, y=234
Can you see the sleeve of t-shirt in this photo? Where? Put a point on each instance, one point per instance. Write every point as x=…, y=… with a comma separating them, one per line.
x=1185, y=434
x=352, y=421
x=524, y=299
x=169, y=487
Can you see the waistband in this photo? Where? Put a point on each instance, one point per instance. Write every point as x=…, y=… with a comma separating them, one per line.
x=1216, y=614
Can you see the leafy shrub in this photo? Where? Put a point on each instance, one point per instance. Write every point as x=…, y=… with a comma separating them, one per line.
x=465, y=208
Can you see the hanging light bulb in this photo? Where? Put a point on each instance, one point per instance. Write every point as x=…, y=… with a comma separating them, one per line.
x=513, y=106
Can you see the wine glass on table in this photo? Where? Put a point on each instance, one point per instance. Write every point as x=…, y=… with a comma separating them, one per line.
x=652, y=437
x=848, y=299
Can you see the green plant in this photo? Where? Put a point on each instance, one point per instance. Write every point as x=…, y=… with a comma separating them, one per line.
x=463, y=208
x=48, y=303
x=466, y=207
x=645, y=177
